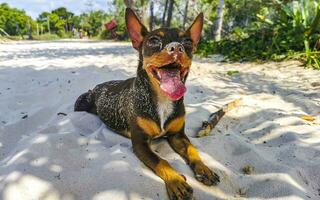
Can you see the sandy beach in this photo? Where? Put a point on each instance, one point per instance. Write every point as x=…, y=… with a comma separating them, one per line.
x=47, y=151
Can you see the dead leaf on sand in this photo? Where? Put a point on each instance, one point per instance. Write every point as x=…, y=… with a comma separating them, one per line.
x=308, y=118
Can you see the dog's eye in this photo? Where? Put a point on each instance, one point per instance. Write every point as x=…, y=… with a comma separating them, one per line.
x=187, y=42
x=154, y=41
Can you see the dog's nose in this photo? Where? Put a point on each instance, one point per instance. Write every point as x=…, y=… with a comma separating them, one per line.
x=175, y=47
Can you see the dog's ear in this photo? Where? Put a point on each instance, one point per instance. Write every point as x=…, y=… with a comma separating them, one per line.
x=195, y=29
x=135, y=28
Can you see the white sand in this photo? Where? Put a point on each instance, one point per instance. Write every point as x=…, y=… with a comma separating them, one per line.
x=50, y=156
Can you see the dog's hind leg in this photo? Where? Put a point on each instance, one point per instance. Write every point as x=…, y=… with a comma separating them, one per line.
x=85, y=102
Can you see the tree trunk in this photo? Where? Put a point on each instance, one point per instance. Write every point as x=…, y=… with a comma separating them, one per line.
x=48, y=23
x=143, y=15
x=170, y=12
x=164, y=13
x=185, y=14
x=30, y=30
x=151, y=16
x=66, y=27
x=219, y=21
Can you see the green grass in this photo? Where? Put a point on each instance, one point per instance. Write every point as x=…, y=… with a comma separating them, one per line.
x=46, y=36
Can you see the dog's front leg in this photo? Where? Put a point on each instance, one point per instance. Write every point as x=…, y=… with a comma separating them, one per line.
x=181, y=144
x=176, y=185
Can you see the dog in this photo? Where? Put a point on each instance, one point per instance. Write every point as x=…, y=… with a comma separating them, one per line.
x=150, y=105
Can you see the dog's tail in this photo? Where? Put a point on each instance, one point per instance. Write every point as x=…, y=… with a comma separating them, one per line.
x=85, y=102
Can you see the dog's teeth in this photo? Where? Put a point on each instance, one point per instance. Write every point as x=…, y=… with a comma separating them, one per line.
x=158, y=73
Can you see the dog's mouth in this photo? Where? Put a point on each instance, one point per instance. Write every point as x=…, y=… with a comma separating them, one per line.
x=171, y=78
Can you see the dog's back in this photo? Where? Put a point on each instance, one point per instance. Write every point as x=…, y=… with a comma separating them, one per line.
x=110, y=101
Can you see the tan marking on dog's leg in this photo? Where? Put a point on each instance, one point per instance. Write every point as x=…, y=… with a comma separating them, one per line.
x=166, y=172
x=175, y=125
x=192, y=153
x=176, y=185
x=181, y=144
x=148, y=126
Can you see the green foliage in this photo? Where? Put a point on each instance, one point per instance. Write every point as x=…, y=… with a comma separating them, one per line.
x=57, y=21
x=93, y=21
x=46, y=36
x=62, y=22
x=301, y=19
x=105, y=34
x=286, y=30
x=119, y=14
x=14, y=21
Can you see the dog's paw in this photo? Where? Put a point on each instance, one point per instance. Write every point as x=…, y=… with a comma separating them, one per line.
x=178, y=189
x=205, y=175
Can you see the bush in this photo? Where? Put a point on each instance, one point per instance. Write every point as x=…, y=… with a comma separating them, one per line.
x=105, y=34
x=63, y=34
x=285, y=33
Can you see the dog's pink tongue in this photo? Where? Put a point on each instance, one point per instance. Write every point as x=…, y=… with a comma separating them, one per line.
x=171, y=84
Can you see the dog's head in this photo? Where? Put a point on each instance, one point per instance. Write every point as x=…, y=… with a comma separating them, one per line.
x=166, y=53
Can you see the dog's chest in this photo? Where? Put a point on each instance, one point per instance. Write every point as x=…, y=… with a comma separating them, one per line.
x=165, y=109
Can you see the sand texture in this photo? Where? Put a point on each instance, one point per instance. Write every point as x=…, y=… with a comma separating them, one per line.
x=266, y=148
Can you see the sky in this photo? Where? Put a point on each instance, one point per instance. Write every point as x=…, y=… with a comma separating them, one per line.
x=34, y=7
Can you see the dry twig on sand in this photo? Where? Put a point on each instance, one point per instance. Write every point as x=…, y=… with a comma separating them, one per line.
x=215, y=117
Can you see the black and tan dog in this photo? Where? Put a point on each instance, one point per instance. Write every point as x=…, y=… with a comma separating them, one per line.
x=151, y=105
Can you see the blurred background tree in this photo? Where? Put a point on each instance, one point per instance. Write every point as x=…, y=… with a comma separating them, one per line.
x=14, y=21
